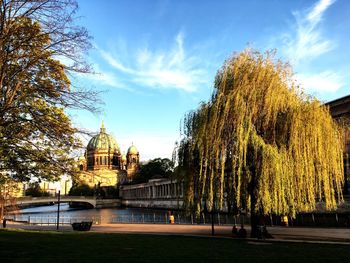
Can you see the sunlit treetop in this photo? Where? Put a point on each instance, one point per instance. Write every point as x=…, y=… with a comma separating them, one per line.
x=270, y=147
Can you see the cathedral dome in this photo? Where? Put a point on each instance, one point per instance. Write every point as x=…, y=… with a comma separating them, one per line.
x=132, y=150
x=103, y=141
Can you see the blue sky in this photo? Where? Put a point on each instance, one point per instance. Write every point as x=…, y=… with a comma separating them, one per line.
x=156, y=60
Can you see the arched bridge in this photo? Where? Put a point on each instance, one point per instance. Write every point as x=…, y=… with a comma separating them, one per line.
x=92, y=200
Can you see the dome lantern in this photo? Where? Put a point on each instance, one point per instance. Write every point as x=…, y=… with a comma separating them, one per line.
x=103, y=129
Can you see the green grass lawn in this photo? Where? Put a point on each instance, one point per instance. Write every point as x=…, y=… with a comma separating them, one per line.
x=30, y=246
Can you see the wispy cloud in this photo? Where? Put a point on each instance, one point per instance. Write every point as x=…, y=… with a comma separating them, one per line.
x=326, y=81
x=103, y=77
x=304, y=43
x=172, y=68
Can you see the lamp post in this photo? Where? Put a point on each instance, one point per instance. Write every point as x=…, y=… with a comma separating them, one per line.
x=65, y=187
x=212, y=222
x=58, y=208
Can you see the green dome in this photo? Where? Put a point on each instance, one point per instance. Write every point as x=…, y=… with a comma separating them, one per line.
x=133, y=150
x=103, y=141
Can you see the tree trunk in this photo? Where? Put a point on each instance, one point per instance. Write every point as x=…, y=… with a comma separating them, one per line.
x=254, y=217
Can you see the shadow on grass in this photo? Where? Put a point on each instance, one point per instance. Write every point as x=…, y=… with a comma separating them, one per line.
x=39, y=246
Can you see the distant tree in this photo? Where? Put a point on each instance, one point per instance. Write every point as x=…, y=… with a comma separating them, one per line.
x=35, y=190
x=159, y=167
x=108, y=192
x=260, y=140
x=81, y=190
x=37, y=137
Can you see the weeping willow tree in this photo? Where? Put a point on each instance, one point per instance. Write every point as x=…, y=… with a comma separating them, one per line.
x=260, y=140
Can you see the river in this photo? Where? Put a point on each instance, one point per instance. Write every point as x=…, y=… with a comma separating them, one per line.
x=48, y=215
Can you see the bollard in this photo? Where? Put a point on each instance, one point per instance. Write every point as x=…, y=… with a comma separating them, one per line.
x=171, y=219
x=337, y=219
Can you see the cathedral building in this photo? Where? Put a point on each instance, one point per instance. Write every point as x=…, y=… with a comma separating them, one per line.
x=104, y=164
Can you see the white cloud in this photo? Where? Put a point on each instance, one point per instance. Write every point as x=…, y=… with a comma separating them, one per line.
x=315, y=15
x=114, y=62
x=160, y=69
x=305, y=41
x=143, y=57
x=104, y=78
x=326, y=81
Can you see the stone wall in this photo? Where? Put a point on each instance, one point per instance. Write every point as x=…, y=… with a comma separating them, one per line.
x=340, y=110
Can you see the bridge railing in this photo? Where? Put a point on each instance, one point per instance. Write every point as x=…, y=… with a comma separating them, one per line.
x=51, y=220
x=137, y=218
x=310, y=220
x=63, y=197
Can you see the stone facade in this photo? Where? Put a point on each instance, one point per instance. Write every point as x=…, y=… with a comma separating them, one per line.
x=103, y=163
x=340, y=110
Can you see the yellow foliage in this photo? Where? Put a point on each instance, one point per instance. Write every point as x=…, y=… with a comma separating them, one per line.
x=263, y=141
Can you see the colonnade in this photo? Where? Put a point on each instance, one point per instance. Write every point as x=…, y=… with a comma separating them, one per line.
x=154, y=189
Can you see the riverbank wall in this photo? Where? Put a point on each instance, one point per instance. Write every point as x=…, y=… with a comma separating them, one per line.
x=108, y=203
x=171, y=203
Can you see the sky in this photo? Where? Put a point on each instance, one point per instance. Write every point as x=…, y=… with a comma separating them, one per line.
x=157, y=60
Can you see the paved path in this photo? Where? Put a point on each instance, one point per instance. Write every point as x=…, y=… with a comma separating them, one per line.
x=300, y=234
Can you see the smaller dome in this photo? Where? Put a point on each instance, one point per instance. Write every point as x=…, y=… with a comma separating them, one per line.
x=124, y=157
x=132, y=150
x=81, y=158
